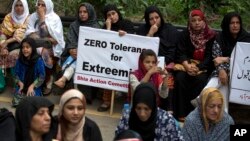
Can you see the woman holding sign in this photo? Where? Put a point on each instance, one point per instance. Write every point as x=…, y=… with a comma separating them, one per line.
x=232, y=32
x=195, y=62
x=115, y=22
x=86, y=16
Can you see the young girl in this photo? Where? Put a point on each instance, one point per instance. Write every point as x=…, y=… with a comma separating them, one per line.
x=148, y=71
x=29, y=70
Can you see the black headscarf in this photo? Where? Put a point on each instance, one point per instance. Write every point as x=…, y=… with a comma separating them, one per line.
x=121, y=24
x=150, y=10
x=29, y=62
x=128, y=134
x=167, y=33
x=27, y=108
x=225, y=38
x=144, y=93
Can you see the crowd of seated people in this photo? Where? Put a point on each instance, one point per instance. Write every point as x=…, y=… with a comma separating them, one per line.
x=196, y=60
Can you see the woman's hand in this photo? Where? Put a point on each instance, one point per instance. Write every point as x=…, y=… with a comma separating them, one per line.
x=155, y=69
x=4, y=44
x=108, y=24
x=121, y=32
x=223, y=77
x=153, y=30
x=21, y=85
x=31, y=91
x=41, y=11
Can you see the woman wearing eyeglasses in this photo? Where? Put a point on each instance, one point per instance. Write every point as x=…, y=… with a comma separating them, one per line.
x=46, y=28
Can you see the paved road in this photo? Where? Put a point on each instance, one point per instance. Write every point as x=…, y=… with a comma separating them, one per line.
x=105, y=121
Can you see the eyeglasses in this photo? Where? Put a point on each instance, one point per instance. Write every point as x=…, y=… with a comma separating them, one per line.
x=18, y=5
x=41, y=4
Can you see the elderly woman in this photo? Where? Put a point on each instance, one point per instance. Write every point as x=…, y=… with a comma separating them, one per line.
x=46, y=28
x=34, y=119
x=194, y=53
x=151, y=122
x=73, y=124
x=208, y=121
x=12, y=32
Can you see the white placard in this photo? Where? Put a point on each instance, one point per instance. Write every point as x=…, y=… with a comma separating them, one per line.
x=161, y=62
x=104, y=59
x=240, y=74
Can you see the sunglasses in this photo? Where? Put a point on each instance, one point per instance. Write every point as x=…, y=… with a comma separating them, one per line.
x=41, y=4
x=18, y=5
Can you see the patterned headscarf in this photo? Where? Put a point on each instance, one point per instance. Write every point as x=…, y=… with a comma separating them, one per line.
x=200, y=39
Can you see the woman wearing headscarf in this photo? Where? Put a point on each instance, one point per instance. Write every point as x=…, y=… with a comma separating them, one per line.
x=151, y=122
x=73, y=124
x=29, y=71
x=194, y=53
x=46, y=28
x=114, y=22
x=12, y=32
x=86, y=16
x=209, y=121
x=34, y=119
x=155, y=26
x=148, y=71
x=128, y=135
x=232, y=32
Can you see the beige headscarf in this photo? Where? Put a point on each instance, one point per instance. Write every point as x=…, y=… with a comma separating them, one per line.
x=208, y=95
x=68, y=132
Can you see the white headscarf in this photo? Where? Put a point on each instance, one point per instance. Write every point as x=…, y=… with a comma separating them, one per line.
x=20, y=19
x=54, y=25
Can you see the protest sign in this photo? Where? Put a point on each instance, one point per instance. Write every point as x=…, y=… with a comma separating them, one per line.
x=105, y=59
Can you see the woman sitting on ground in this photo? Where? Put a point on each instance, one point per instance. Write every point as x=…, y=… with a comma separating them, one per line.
x=208, y=121
x=29, y=71
x=73, y=124
x=34, y=119
x=151, y=122
x=12, y=32
x=46, y=28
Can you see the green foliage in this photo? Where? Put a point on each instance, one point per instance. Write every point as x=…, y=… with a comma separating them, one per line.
x=174, y=11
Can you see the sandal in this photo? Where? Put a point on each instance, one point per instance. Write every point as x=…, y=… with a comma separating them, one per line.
x=103, y=108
